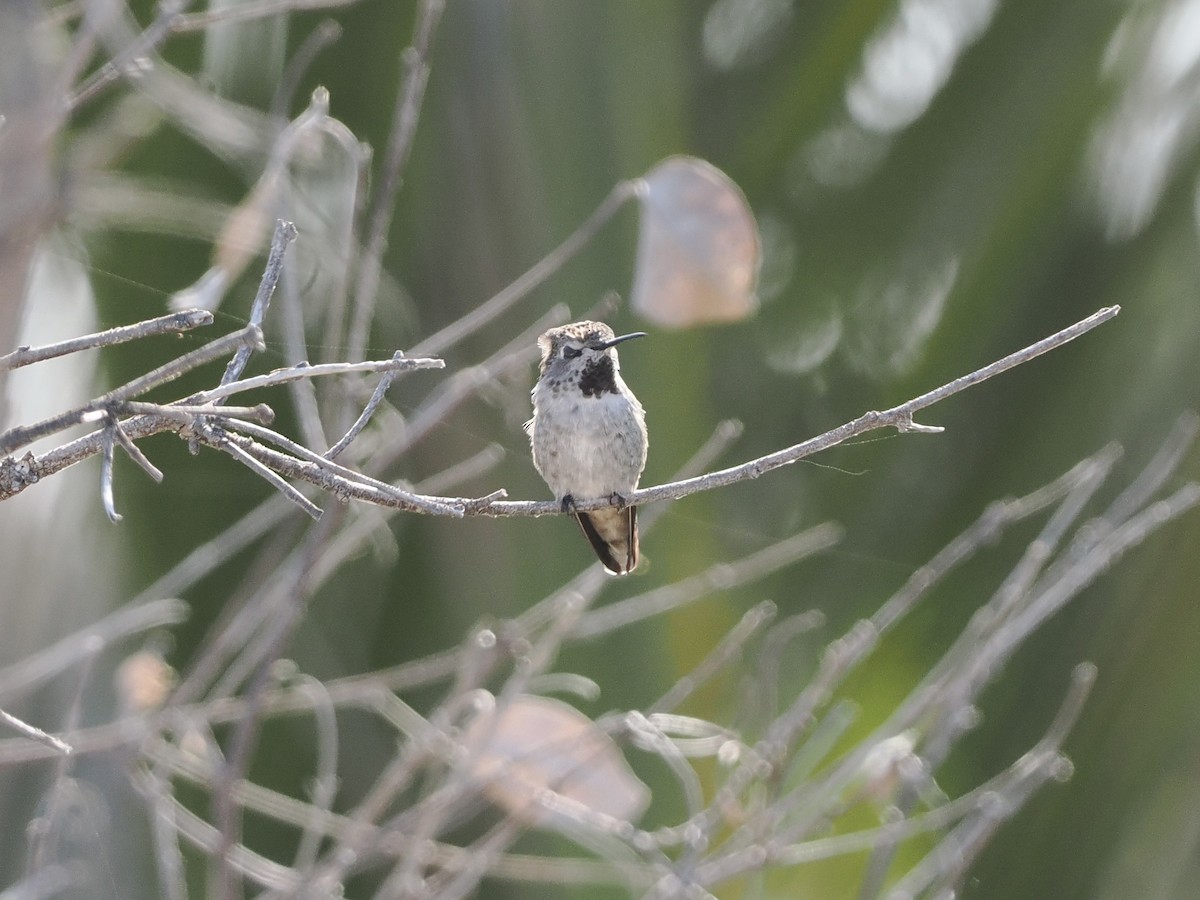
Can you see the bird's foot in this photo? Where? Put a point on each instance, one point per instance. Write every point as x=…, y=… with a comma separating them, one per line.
x=568, y=503
x=620, y=501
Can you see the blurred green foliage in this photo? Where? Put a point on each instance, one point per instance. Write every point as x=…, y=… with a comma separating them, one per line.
x=938, y=184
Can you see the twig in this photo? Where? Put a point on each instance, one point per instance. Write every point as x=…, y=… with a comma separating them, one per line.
x=365, y=416
x=199, y=833
x=950, y=858
x=294, y=589
x=268, y=475
x=35, y=733
x=987, y=803
x=283, y=376
x=285, y=233
x=134, y=452
x=300, y=814
x=66, y=653
x=247, y=12
x=839, y=659
x=208, y=556
x=406, y=114
x=733, y=643
x=471, y=467
x=467, y=382
x=15, y=475
x=155, y=787
x=184, y=413
x=18, y=437
x=406, y=499
x=106, y=474
x=947, y=682
x=535, y=275
x=325, y=784
x=175, y=323
x=305, y=404
x=136, y=47
x=722, y=576
x=324, y=35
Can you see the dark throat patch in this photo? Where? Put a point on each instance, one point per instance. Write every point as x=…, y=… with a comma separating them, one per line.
x=598, y=378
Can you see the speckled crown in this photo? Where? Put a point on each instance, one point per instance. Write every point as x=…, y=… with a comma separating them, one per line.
x=582, y=332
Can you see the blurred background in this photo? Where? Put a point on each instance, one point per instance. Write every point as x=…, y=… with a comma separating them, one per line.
x=937, y=183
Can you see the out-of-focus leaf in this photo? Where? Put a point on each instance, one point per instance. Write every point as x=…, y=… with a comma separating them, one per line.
x=244, y=60
x=143, y=681
x=239, y=241
x=534, y=753
x=698, y=248
x=311, y=180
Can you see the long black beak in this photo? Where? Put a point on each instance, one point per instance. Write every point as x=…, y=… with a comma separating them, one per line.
x=617, y=340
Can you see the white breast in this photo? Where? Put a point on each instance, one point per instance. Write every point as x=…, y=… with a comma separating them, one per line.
x=588, y=447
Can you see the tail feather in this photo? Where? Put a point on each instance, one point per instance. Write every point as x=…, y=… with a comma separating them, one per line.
x=613, y=535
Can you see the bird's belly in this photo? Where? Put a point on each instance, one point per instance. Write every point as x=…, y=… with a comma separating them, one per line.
x=590, y=448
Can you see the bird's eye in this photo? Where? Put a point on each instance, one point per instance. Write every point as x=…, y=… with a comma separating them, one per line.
x=571, y=352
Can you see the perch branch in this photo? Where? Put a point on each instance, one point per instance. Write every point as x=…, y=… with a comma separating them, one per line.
x=899, y=417
x=326, y=474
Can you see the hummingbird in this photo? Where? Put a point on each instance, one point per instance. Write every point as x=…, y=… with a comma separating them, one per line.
x=588, y=433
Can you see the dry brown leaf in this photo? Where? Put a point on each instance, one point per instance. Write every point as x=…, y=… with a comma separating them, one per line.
x=698, y=247
x=534, y=752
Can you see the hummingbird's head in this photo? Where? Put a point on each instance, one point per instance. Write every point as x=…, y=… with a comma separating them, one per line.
x=584, y=347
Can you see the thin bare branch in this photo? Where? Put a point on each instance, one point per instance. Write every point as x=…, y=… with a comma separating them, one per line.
x=324, y=786
x=369, y=410
x=185, y=413
x=155, y=787
x=466, y=383
x=268, y=475
x=732, y=644
x=899, y=417
x=957, y=850
x=134, y=452
x=283, y=376
x=131, y=50
x=722, y=576
x=106, y=474
x=247, y=12
x=401, y=497
x=34, y=733
x=405, y=116
x=23, y=676
x=285, y=233
x=471, y=467
x=534, y=276
x=201, y=834
x=175, y=323
x=20, y=436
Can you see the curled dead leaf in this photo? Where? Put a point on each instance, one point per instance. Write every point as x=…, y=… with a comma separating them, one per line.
x=540, y=759
x=698, y=247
